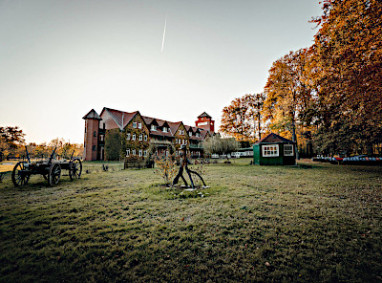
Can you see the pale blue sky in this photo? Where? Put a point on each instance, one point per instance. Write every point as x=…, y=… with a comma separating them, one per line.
x=59, y=59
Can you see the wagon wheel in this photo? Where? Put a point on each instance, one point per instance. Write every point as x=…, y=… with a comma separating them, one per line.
x=20, y=175
x=75, y=169
x=54, y=174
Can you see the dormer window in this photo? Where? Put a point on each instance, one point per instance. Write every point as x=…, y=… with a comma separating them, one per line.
x=190, y=134
x=165, y=129
x=153, y=127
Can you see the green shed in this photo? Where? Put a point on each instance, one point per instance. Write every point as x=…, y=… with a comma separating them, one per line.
x=274, y=150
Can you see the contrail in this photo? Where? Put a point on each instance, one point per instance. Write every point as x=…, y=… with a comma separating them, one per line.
x=164, y=33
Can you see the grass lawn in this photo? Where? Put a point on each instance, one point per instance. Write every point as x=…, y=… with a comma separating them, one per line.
x=254, y=223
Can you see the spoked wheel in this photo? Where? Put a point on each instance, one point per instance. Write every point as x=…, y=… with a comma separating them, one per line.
x=75, y=169
x=20, y=175
x=54, y=174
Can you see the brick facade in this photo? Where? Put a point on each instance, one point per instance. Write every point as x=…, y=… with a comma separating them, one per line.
x=137, y=132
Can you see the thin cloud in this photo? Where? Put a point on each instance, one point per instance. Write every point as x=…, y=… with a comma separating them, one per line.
x=164, y=34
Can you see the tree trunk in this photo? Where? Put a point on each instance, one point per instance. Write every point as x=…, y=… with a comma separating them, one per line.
x=294, y=138
x=259, y=125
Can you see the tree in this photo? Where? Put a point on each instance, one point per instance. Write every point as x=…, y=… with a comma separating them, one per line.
x=234, y=122
x=288, y=94
x=347, y=71
x=11, y=139
x=254, y=104
x=242, y=118
x=218, y=145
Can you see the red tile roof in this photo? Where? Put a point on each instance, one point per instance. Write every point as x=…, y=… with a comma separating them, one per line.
x=121, y=119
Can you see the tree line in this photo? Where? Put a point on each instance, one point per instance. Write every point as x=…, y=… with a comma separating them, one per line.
x=327, y=96
x=12, y=145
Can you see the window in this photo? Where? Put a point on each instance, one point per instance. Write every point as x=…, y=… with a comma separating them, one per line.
x=134, y=125
x=94, y=134
x=190, y=133
x=145, y=153
x=128, y=152
x=153, y=128
x=165, y=129
x=145, y=137
x=288, y=150
x=139, y=125
x=134, y=137
x=134, y=152
x=140, y=152
x=94, y=148
x=101, y=138
x=140, y=137
x=270, y=150
x=128, y=136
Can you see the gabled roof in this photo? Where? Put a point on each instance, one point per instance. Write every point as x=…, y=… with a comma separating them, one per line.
x=274, y=138
x=174, y=126
x=92, y=114
x=121, y=118
x=204, y=114
x=148, y=120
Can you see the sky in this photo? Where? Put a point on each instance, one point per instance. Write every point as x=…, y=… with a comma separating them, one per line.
x=169, y=59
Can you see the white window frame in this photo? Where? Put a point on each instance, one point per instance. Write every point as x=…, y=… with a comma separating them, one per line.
x=190, y=134
x=145, y=138
x=164, y=129
x=289, y=151
x=134, y=137
x=128, y=136
x=153, y=128
x=145, y=153
x=140, y=152
x=270, y=150
x=134, y=125
x=140, y=137
x=139, y=125
x=128, y=152
x=134, y=152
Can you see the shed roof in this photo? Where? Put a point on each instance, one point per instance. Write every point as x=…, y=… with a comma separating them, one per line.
x=274, y=138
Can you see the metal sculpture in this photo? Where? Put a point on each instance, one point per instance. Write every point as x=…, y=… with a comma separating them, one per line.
x=184, y=166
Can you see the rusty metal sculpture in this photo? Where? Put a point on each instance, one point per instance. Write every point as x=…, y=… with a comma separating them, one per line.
x=184, y=166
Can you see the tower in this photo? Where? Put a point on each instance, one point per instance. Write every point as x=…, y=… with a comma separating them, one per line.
x=205, y=122
x=91, y=149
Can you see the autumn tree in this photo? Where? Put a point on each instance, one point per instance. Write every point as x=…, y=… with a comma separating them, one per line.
x=347, y=70
x=11, y=139
x=242, y=118
x=254, y=104
x=234, y=122
x=288, y=94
